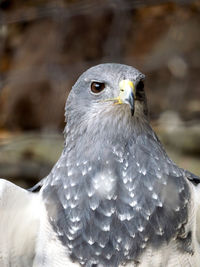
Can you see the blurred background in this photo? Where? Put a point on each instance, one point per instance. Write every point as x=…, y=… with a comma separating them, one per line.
x=46, y=45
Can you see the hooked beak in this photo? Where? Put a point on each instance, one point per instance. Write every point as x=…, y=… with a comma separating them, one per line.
x=127, y=94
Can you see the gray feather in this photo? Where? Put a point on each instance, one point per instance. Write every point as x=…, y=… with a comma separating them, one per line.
x=116, y=190
x=114, y=197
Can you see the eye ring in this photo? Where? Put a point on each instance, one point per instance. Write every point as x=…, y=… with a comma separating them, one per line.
x=97, y=87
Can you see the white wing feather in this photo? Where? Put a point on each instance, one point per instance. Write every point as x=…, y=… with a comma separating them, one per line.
x=19, y=223
x=26, y=236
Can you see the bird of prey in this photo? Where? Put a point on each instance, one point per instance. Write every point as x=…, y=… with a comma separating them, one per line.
x=114, y=198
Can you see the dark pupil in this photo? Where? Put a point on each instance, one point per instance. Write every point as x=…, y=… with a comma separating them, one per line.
x=140, y=86
x=97, y=87
x=140, y=91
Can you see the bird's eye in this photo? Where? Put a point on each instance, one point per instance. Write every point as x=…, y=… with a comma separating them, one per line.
x=140, y=86
x=97, y=87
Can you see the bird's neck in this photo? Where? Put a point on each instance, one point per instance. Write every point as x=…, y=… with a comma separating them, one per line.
x=108, y=125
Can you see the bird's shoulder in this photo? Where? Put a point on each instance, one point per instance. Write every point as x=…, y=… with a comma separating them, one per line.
x=193, y=178
x=19, y=209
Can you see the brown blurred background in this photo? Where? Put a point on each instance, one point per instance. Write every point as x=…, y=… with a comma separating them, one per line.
x=46, y=45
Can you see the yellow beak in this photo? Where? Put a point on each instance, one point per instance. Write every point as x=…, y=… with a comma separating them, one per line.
x=127, y=94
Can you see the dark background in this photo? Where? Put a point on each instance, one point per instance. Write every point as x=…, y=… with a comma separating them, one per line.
x=46, y=45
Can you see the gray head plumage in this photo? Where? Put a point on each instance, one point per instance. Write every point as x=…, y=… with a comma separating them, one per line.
x=108, y=195
x=84, y=103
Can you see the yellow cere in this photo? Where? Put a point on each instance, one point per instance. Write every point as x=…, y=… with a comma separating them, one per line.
x=124, y=86
x=126, y=83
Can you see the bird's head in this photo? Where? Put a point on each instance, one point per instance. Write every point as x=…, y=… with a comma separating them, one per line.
x=114, y=92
